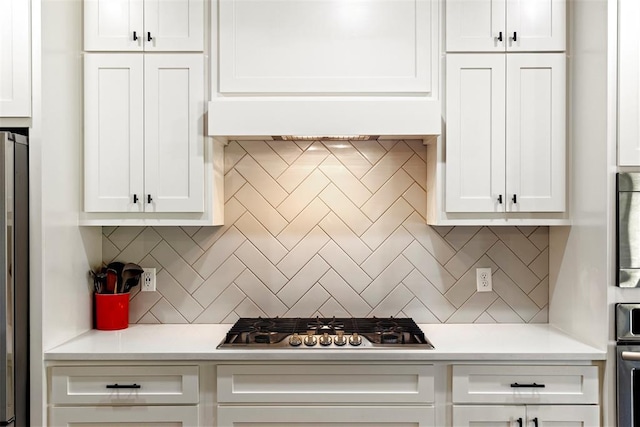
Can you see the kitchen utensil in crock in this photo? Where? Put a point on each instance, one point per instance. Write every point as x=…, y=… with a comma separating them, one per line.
x=130, y=276
x=112, y=281
x=117, y=266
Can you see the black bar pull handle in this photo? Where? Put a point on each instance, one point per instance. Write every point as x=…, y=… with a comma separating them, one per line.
x=500, y=198
x=519, y=420
x=116, y=385
x=499, y=38
x=532, y=385
x=149, y=199
x=135, y=198
x=149, y=38
x=514, y=199
x=535, y=422
x=135, y=36
x=515, y=36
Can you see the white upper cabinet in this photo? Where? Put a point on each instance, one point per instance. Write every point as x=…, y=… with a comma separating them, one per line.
x=505, y=147
x=629, y=83
x=505, y=25
x=144, y=148
x=15, y=62
x=293, y=46
x=144, y=25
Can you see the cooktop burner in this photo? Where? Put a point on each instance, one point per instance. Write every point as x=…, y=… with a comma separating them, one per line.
x=310, y=333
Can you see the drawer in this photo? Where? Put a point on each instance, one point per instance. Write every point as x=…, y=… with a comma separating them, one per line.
x=124, y=385
x=525, y=384
x=328, y=383
x=326, y=416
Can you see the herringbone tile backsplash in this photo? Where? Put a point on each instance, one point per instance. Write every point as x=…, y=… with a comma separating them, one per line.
x=332, y=228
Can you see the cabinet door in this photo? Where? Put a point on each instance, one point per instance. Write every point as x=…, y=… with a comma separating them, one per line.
x=15, y=63
x=566, y=416
x=113, y=146
x=174, y=25
x=629, y=83
x=499, y=25
x=536, y=25
x=488, y=416
x=174, y=144
x=536, y=128
x=292, y=46
x=475, y=25
x=326, y=416
x=475, y=142
x=113, y=25
x=112, y=416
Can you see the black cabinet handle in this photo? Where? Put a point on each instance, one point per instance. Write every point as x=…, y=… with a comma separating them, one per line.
x=500, y=198
x=514, y=199
x=533, y=385
x=519, y=420
x=515, y=36
x=535, y=422
x=135, y=198
x=116, y=385
x=499, y=38
x=135, y=36
x=149, y=199
x=149, y=38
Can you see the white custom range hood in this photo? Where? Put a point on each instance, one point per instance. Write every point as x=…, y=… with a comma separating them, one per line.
x=329, y=116
x=324, y=68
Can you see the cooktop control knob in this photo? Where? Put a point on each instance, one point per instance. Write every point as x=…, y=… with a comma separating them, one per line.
x=355, y=339
x=295, y=340
x=325, y=339
x=340, y=339
x=310, y=340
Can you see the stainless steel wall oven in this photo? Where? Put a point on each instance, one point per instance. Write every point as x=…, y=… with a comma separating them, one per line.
x=628, y=364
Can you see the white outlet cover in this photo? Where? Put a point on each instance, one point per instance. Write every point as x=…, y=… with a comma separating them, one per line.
x=483, y=280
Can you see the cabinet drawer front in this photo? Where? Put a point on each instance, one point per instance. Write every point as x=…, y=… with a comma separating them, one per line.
x=313, y=384
x=326, y=416
x=126, y=385
x=525, y=384
x=138, y=416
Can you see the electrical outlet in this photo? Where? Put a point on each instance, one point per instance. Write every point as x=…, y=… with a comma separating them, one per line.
x=148, y=280
x=483, y=280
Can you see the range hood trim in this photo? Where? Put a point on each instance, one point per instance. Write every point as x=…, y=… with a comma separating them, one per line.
x=247, y=117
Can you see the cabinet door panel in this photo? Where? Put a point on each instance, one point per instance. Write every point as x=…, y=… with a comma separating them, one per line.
x=629, y=83
x=475, y=132
x=174, y=145
x=109, y=25
x=536, y=127
x=292, y=46
x=15, y=59
x=326, y=416
x=113, y=416
x=474, y=25
x=539, y=25
x=564, y=416
x=488, y=416
x=174, y=25
x=113, y=132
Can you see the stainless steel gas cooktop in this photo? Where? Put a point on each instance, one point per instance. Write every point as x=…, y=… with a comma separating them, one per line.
x=327, y=333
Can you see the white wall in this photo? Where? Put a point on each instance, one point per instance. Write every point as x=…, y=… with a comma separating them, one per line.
x=62, y=252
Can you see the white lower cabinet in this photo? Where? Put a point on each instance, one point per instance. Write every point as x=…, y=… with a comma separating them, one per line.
x=123, y=396
x=327, y=395
x=525, y=396
x=525, y=415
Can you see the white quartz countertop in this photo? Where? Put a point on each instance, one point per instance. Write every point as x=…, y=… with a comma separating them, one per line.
x=451, y=342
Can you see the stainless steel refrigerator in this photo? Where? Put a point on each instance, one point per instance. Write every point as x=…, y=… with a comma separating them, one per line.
x=14, y=279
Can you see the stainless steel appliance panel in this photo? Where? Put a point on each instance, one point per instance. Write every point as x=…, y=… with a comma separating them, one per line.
x=628, y=230
x=14, y=279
